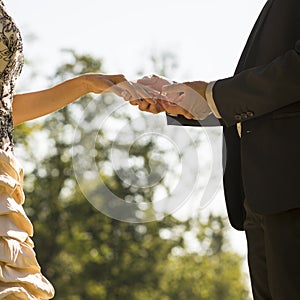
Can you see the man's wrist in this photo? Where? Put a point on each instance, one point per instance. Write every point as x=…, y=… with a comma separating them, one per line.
x=210, y=99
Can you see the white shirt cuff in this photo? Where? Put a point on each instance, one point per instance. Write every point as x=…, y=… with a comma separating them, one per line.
x=210, y=99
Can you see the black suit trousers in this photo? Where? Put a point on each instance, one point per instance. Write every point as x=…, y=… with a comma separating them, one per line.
x=274, y=254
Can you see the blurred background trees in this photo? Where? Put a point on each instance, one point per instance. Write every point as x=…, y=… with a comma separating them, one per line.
x=88, y=255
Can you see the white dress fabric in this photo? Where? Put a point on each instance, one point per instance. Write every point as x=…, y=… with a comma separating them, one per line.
x=20, y=273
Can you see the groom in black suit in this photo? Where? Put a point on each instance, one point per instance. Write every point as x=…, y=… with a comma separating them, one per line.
x=262, y=173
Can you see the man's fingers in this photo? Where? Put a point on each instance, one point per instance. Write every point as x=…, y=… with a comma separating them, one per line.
x=175, y=109
x=171, y=108
x=144, y=106
x=151, y=108
x=187, y=115
x=147, y=107
x=135, y=102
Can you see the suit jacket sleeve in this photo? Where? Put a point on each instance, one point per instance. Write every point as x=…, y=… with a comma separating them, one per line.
x=179, y=120
x=259, y=90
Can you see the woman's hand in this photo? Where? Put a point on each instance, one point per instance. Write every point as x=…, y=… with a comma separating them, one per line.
x=102, y=83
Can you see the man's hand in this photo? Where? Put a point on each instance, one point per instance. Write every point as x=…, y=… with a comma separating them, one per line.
x=157, y=94
x=190, y=103
x=149, y=89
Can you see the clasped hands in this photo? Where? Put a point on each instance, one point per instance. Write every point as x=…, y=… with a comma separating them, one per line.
x=156, y=94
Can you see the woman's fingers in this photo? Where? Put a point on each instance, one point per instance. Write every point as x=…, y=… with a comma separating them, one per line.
x=144, y=94
x=173, y=88
x=114, y=89
x=132, y=91
x=128, y=91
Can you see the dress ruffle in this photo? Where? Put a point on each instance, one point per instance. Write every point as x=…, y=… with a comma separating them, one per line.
x=20, y=273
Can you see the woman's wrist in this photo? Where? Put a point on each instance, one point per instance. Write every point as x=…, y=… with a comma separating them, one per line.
x=86, y=83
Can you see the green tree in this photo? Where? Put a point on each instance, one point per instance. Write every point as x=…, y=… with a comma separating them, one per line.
x=211, y=272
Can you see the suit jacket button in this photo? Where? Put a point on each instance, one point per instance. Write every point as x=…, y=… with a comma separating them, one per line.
x=250, y=114
x=238, y=117
x=244, y=116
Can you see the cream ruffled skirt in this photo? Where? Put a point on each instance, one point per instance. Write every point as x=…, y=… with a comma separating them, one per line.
x=20, y=273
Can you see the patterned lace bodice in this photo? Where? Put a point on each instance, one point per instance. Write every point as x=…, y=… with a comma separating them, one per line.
x=11, y=63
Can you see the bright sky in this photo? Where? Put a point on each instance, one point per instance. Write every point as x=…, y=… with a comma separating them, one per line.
x=207, y=36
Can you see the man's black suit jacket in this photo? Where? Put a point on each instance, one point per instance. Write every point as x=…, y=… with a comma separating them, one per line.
x=263, y=166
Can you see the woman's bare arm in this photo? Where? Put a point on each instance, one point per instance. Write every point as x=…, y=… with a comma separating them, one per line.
x=29, y=106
